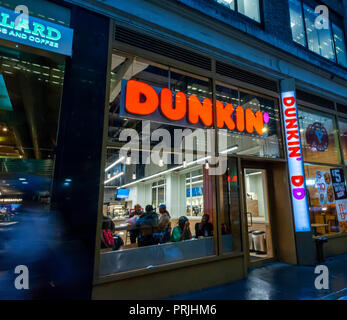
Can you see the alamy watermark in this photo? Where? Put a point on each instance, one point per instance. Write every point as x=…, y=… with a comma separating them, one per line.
x=322, y=280
x=322, y=21
x=22, y=280
x=181, y=147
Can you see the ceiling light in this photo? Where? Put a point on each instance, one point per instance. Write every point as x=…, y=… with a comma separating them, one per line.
x=118, y=175
x=114, y=163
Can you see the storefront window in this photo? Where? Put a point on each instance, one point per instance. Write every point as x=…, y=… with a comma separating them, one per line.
x=319, y=137
x=31, y=87
x=343, y=137
x=255, y=128
x=155, y=171
x=327, y=199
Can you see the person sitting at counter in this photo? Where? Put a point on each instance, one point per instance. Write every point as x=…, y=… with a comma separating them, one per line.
x=134, y=215
x=182, y=231
x=204, y=228
x=163, y=231
x=136, y=212
x=146, y=224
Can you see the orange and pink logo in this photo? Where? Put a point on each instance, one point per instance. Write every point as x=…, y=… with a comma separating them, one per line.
x=142, y=101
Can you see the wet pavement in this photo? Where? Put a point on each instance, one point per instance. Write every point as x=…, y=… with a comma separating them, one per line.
x=53, y=260
x=280, y=281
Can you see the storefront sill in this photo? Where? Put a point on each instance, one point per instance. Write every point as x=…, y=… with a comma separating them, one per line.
x=332, y=236
x=166, y=267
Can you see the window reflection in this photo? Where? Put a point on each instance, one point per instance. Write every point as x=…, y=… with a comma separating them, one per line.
x=161, y=205
x=297, y=22
x=343, y=137
x=319, y=40
x=249, y=8
x=268, y=143
x=327, y=42
x=340, y=45
x=30, y=89
x=228, y=3
x=319, y=138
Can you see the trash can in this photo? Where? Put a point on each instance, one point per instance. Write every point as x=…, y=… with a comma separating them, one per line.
x=259, y=240
x=320, y=248
x=251, y=243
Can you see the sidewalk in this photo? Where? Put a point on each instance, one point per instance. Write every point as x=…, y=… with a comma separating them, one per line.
x=280, y=281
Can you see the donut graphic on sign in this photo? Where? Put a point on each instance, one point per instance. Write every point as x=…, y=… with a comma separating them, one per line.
x=317, y=137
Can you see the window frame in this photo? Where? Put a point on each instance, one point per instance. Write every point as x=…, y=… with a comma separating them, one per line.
x=236, y=11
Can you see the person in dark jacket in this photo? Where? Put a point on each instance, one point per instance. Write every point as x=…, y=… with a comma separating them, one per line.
x=135, y=214
x=146, y=224
x=204, y=228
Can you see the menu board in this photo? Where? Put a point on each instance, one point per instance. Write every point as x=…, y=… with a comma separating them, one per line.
x=338, y=181
x=325, y=187
x=341, y=208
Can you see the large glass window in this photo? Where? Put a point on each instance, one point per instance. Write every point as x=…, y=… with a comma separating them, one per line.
x=322, y=37
x=343, y=138
x=155, y=171
x=160, y=175
x=326, y=198
x=319, y=138
x=260, y=133
x=30, y=89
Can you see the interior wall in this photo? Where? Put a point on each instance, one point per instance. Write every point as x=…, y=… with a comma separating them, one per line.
x=254, y=183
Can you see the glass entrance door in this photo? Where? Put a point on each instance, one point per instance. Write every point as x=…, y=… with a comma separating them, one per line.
x=258, y=215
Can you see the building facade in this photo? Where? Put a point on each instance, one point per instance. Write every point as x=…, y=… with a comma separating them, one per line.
x=228, y=111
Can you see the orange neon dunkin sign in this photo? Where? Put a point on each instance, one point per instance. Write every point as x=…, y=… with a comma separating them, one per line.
x=141, y=100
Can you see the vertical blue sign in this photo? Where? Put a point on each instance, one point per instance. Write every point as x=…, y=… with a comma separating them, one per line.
x=295, y=162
